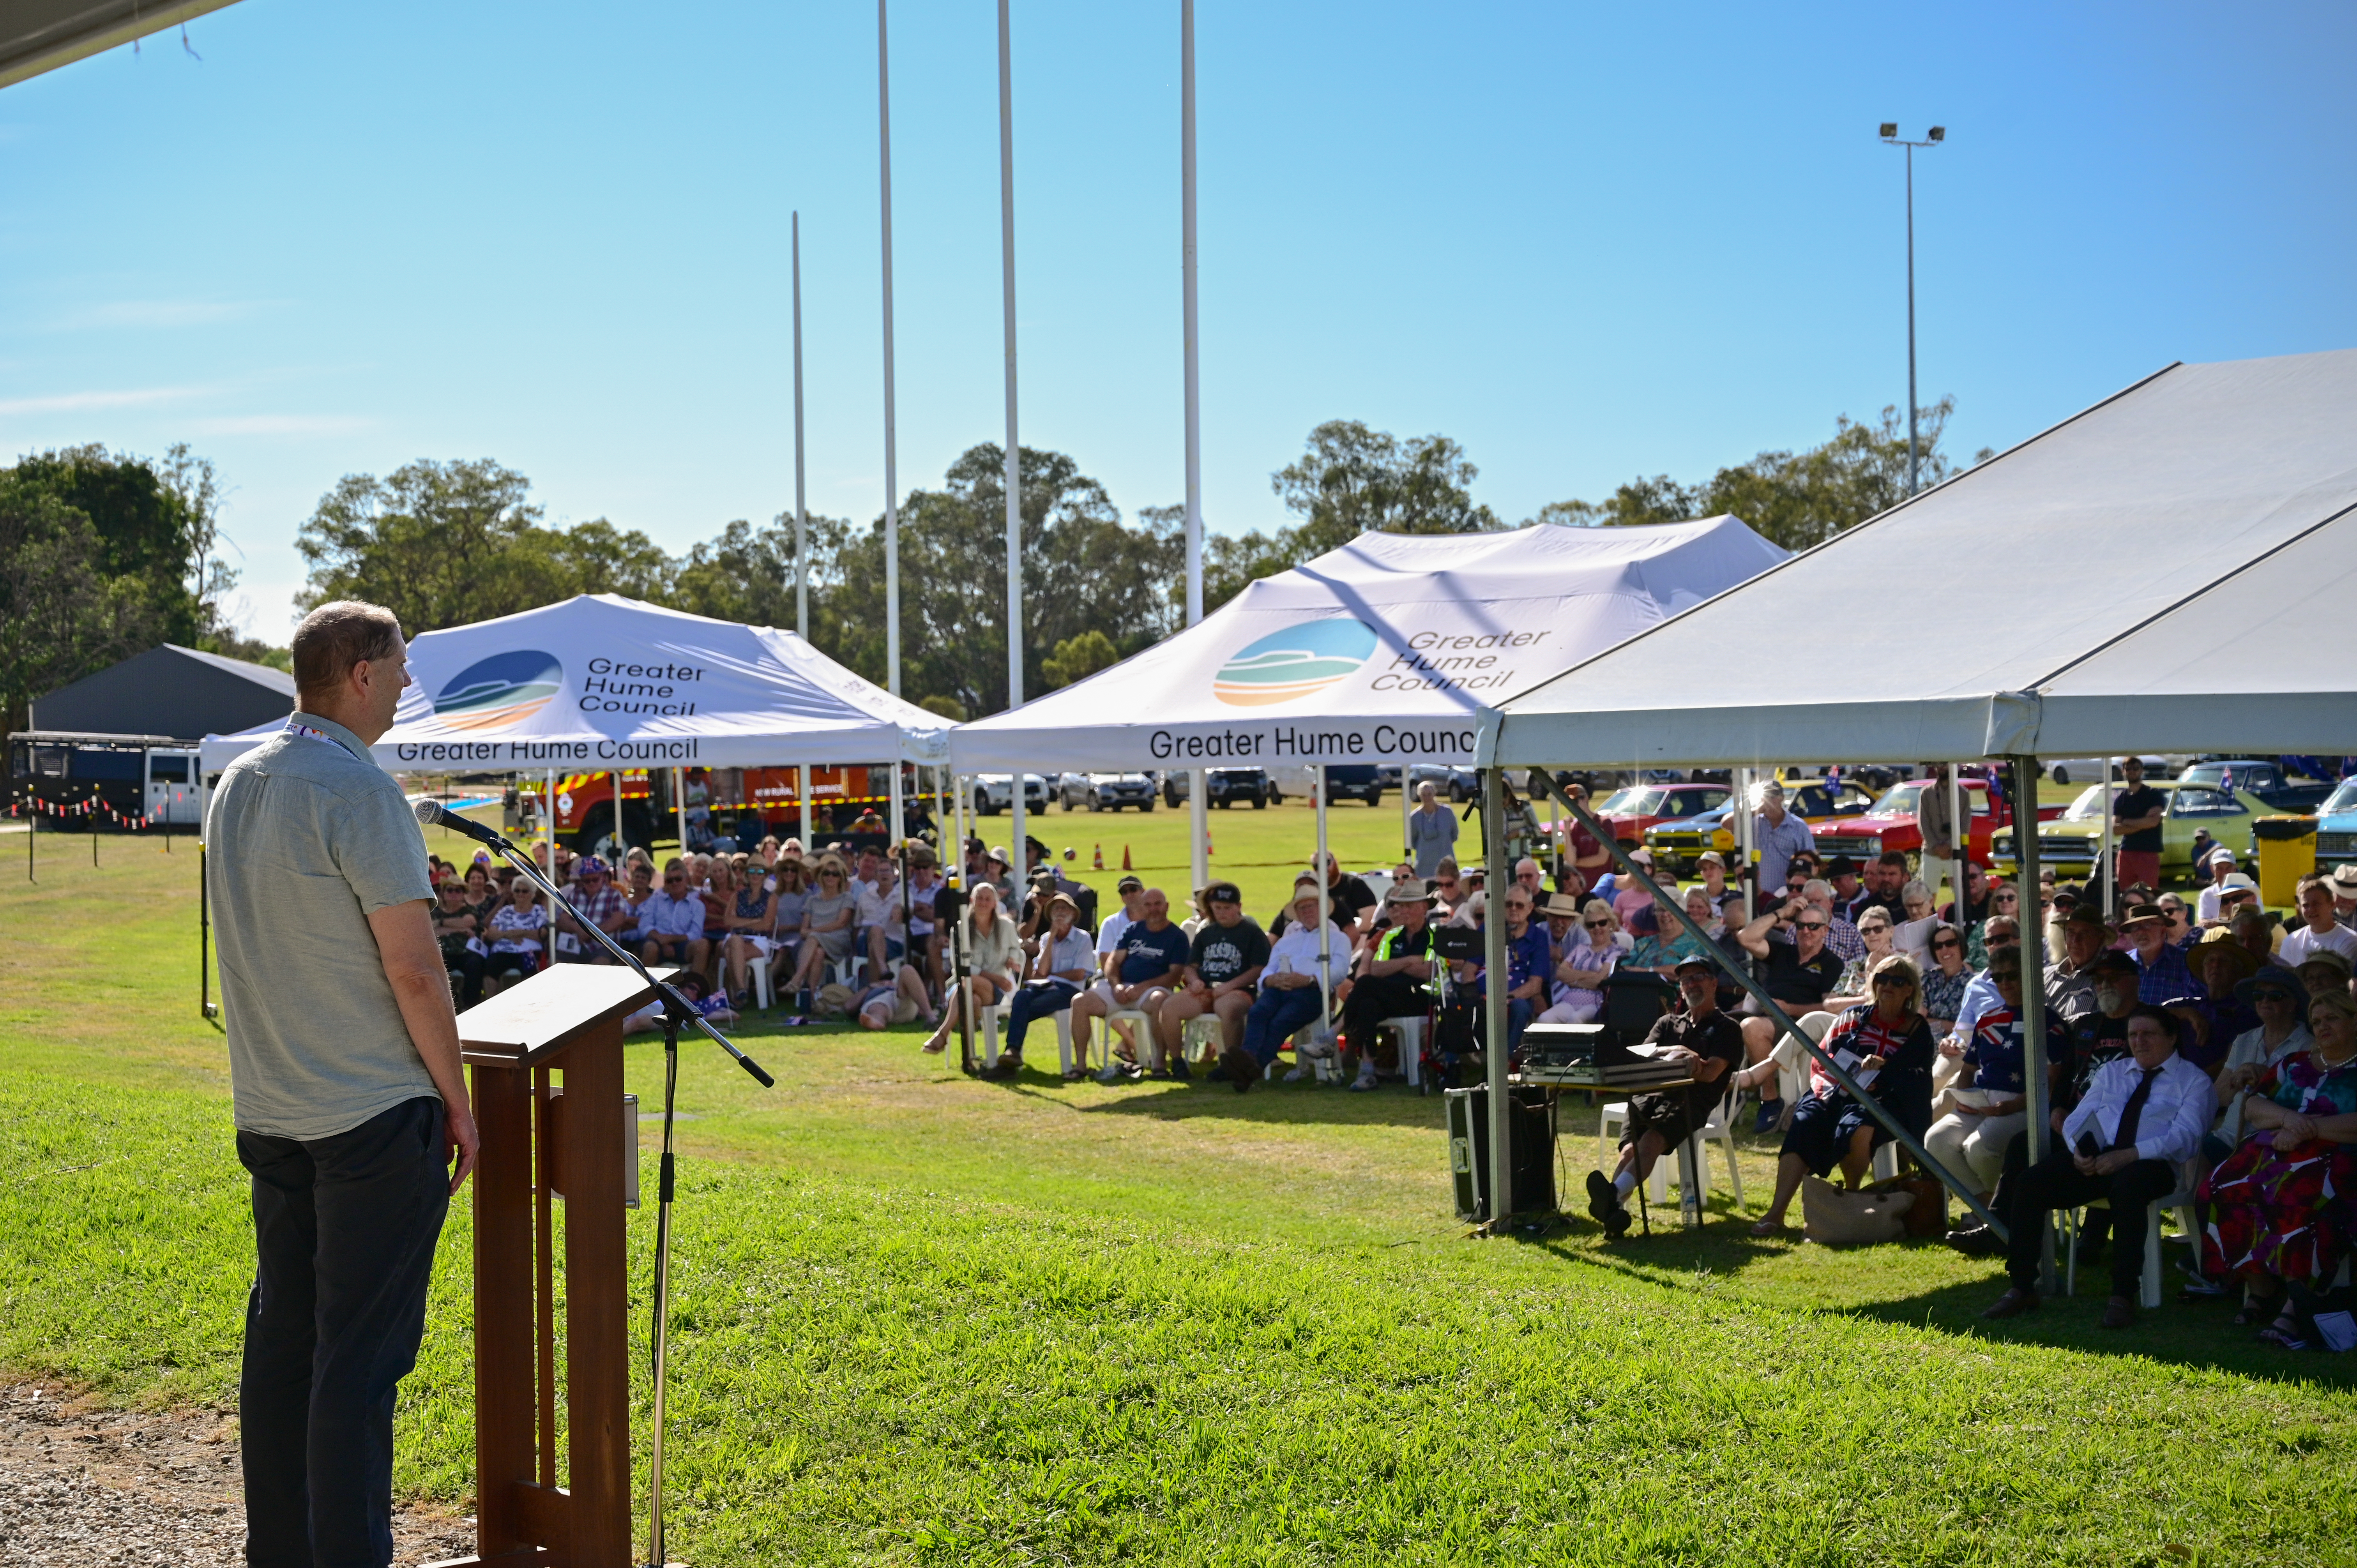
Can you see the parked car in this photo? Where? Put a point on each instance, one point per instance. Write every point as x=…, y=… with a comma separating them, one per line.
x=1677, y=847
x=2069, y=842
x=1108, y=791
x=1451, y=782
x=1890, y=824
x=994, y=793
x=2336, y=826
x=1226, y=786
x=2157, y=766
x=1631, y=812
x=2267, y=780
x=1354, y=782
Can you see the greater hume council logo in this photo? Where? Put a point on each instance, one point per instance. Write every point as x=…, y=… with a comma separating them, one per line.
x=1295, y=662
x=499, y=690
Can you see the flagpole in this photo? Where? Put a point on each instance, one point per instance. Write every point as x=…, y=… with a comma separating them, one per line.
x=892, y=472
x=801, y=539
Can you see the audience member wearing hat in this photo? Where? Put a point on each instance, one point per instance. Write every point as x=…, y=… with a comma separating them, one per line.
x=2324, y=971
x=1710, y=1045
x=2279, y=1001
x=2218, y=864
x=1390, y=975
x=2222, y=965
x=2344, y=891
x=2165, y=976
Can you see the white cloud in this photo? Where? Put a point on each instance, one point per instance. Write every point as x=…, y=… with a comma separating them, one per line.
x=78, y=403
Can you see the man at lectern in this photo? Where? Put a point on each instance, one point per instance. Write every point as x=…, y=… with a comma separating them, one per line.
x=349, y=1099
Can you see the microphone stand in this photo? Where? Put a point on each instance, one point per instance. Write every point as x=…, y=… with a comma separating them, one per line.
x=677, y=1010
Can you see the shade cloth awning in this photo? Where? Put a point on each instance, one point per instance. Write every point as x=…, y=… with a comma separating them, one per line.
x=600, y=682
x=1383, y=651
x=2027, y=605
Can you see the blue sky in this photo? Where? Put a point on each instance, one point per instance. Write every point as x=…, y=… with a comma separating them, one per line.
x=1588, y=242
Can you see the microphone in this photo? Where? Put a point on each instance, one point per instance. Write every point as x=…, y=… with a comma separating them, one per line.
x=432, y=813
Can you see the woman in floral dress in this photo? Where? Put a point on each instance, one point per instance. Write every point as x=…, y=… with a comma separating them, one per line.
x=2279, y=1208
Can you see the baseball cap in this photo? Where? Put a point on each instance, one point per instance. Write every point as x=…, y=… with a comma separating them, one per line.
x=1126, y=883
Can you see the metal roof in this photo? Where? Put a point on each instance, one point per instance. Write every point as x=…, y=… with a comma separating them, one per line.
x=42, y=35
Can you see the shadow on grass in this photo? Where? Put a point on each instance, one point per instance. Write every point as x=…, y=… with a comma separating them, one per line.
x=1290, y=1104
x=2186, y=1333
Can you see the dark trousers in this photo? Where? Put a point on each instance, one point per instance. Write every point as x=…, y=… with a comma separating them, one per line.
x=345, y=1227
x=2056, y=1182
x=469, y=966
x=1034, y=999
x=1276, y=1014
x=1376, y=998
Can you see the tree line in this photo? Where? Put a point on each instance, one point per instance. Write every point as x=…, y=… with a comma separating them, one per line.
x=104, y=555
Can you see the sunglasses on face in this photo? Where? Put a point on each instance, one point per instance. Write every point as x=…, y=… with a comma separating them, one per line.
x=1895, y=981
x=1952, y=947
x=1815, y=925
x=1597, y=925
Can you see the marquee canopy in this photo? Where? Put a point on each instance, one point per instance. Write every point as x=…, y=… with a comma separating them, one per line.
x=600, y=682
x=1383, y=651
x=2158, y=572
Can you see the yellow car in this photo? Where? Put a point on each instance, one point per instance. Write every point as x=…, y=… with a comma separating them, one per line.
x=1677, y=847
x=2067, y=844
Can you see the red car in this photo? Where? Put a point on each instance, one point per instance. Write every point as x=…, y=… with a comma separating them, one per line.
x=1891, y=824
x=1631, y=810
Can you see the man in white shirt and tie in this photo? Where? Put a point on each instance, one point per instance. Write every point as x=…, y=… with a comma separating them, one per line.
x=2142, y=1117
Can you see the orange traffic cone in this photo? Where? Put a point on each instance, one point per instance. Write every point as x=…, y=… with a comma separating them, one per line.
x=1125, y=859
x=1100, y=857
x=1207, y=843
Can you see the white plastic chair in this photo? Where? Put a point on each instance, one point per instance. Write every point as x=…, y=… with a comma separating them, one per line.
x=1615, y=1117
x=1410, y=1031
x=2148, y=1282
x=987, y=1035
x=1320, y=1056
x=1149, y=1050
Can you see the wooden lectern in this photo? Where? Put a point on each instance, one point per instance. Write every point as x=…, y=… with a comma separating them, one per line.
x=566, y=1138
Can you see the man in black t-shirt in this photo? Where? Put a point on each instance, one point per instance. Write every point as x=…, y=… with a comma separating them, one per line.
x=1798, y=976
x=1706, y=1042
x=1353, y=900
x=2137, y=813
x=1222, y=969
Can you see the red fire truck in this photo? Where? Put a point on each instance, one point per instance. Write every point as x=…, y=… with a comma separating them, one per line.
x=739, y=802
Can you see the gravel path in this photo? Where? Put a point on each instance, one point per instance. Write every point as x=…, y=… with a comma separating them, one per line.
x=82, y=1485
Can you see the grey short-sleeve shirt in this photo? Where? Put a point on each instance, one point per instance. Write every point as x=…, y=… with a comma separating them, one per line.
x=305, y=838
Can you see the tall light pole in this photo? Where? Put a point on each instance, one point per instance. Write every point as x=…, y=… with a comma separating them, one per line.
x=1013, y=481
x=802, y=543
x=892, y=472
x=1199, y=824
x=1932, y=138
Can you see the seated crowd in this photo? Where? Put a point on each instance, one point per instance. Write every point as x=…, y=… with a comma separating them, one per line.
x=2190, y=1048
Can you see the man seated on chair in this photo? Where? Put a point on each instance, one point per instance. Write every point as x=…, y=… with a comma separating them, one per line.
x=1706, y=1042
x=2142, y=1118
x=1223, y=969
x=1388, y=979
x=671, y=923
x=1290, y=995
x=1137, y=973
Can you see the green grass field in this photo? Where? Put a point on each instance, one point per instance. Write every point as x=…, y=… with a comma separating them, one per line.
x=928, y=1319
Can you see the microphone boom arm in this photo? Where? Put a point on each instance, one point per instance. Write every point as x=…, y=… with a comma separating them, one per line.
x=673, y=1002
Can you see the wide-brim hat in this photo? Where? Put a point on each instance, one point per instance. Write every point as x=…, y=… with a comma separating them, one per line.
x=1411, y=891
x=2344, y=881
x=1561, y=907
x=2143, y=915
x=2331, y=962
x=2273, y=977
x=2221, y=940
x=2112, y=962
